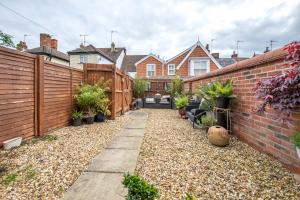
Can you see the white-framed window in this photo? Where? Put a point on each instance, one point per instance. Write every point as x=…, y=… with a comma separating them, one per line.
x=199, y=66
x=83, y=58
x=150, y=70
x=171, y=69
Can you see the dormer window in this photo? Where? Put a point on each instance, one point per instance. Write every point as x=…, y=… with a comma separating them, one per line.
x=150, y=70
x=171, y=69
x=83, y=58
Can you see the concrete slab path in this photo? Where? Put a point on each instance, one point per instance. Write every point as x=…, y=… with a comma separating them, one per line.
x=102, y=180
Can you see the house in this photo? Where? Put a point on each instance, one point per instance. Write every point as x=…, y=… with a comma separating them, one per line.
x=48, y=48
x=91, y=54
x=228, y=61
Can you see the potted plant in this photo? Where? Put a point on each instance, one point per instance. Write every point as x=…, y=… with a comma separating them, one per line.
x=222, y=92
x=139, y=88
x=77, y=117
x=208, y=120
x=102, y=105
x=175, y=89
x=181, y=103
x=296, y=140
x=86, y=100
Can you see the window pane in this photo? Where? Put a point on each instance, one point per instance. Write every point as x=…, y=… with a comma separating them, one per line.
x=200, y=64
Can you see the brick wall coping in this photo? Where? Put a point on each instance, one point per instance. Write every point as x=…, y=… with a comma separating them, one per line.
x=248, y=63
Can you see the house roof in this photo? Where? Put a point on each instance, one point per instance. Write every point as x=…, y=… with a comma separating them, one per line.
x=204, y=49
x=113, y=54
x=229, y=61
x=148, y=56
x=91, y=49
x=129, y=61
x=45, y=50
x=182, y=53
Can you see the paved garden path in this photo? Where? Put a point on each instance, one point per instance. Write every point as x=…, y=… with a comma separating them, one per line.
x=103, y=177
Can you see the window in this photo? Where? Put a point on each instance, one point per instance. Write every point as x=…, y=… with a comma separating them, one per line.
x=199, y=66
x=150, y=70
x=171, y=69
x=83, y=58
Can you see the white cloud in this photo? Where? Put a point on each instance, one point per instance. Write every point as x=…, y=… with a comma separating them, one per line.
x=164, y=26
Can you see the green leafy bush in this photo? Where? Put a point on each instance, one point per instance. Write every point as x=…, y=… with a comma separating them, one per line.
x=218, y=89
x=176, y=87
x=208, y=120
x=77, y=115
x=181, y=102
x=139, y=189
x=139, y=87
x=296, y=139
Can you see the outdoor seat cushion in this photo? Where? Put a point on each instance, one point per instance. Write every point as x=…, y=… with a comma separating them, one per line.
x=149, y=100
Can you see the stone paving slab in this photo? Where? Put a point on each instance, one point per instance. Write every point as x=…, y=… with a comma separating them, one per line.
x=114, y=160
x=121, y=142
x=133, y=132
x=102, y=180
x=89, y=186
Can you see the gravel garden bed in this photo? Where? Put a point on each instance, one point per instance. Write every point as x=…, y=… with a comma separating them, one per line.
x=45, y=168
x=179, y=159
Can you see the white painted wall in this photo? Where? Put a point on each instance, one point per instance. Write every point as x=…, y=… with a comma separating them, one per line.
x=92, y=58
x=57, y=60
x=132, y=74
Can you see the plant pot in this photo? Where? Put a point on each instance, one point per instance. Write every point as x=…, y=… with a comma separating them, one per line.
x=218, y=136
x=9, y=144
x=182, y=112
x=221, y=119
x=99, y=117
x=90, y=119
x=222, y=102
x=298, y=152
x=76, y=122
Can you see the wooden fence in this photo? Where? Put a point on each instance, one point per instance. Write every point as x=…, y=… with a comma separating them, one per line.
x=120, y=93
x=36, y=96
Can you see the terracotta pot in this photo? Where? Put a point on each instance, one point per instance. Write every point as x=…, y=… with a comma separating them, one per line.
x=217, y=135
x=182, y=112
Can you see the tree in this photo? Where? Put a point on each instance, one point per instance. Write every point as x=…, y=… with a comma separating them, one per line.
x=6, y=40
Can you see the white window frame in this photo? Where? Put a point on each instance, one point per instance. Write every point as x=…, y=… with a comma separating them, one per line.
x=192, y=66
x=83, y=58
x=148, y=70
x=174, y=69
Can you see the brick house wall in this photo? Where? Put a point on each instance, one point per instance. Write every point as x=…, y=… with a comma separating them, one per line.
x=259, y=131
x=141, y=68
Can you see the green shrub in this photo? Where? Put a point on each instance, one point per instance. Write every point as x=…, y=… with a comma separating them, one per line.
x=77, y=115
x=181, y=102
x=176, y=87
x=139, y=87
x=10, y=179
x=203, y=93
x=218, y=89
x=296, y=139
x=139, y=189
x=208, y=120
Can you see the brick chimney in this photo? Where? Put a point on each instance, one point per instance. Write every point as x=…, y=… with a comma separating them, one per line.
x=234, y=55
x=113, y=47
x=216, y=55
x=45, y=40
x=54, y=44
x=22, y=46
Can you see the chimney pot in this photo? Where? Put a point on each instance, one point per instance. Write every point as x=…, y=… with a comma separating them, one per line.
x=54, y=44
x=45, y=40
x=267, y=50
x=22, y=46
x=234, y=55
x=113, y=47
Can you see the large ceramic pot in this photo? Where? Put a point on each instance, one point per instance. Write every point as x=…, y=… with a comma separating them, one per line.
x=222, y=102
x=99, y=117
x=217, y=135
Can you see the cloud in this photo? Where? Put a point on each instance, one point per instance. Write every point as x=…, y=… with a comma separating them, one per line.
x=164, y=27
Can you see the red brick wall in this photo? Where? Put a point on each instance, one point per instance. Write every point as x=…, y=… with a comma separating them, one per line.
x=176, y=61
x=260, y=131
x=141, y=68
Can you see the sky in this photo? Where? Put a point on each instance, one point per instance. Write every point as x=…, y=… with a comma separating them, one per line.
x=162, y=27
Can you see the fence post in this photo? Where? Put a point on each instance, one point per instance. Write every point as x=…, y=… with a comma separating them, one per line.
x=123, y=97
x=71, y=88
x=113, y=93
x=40, y=96
x=85, y=75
